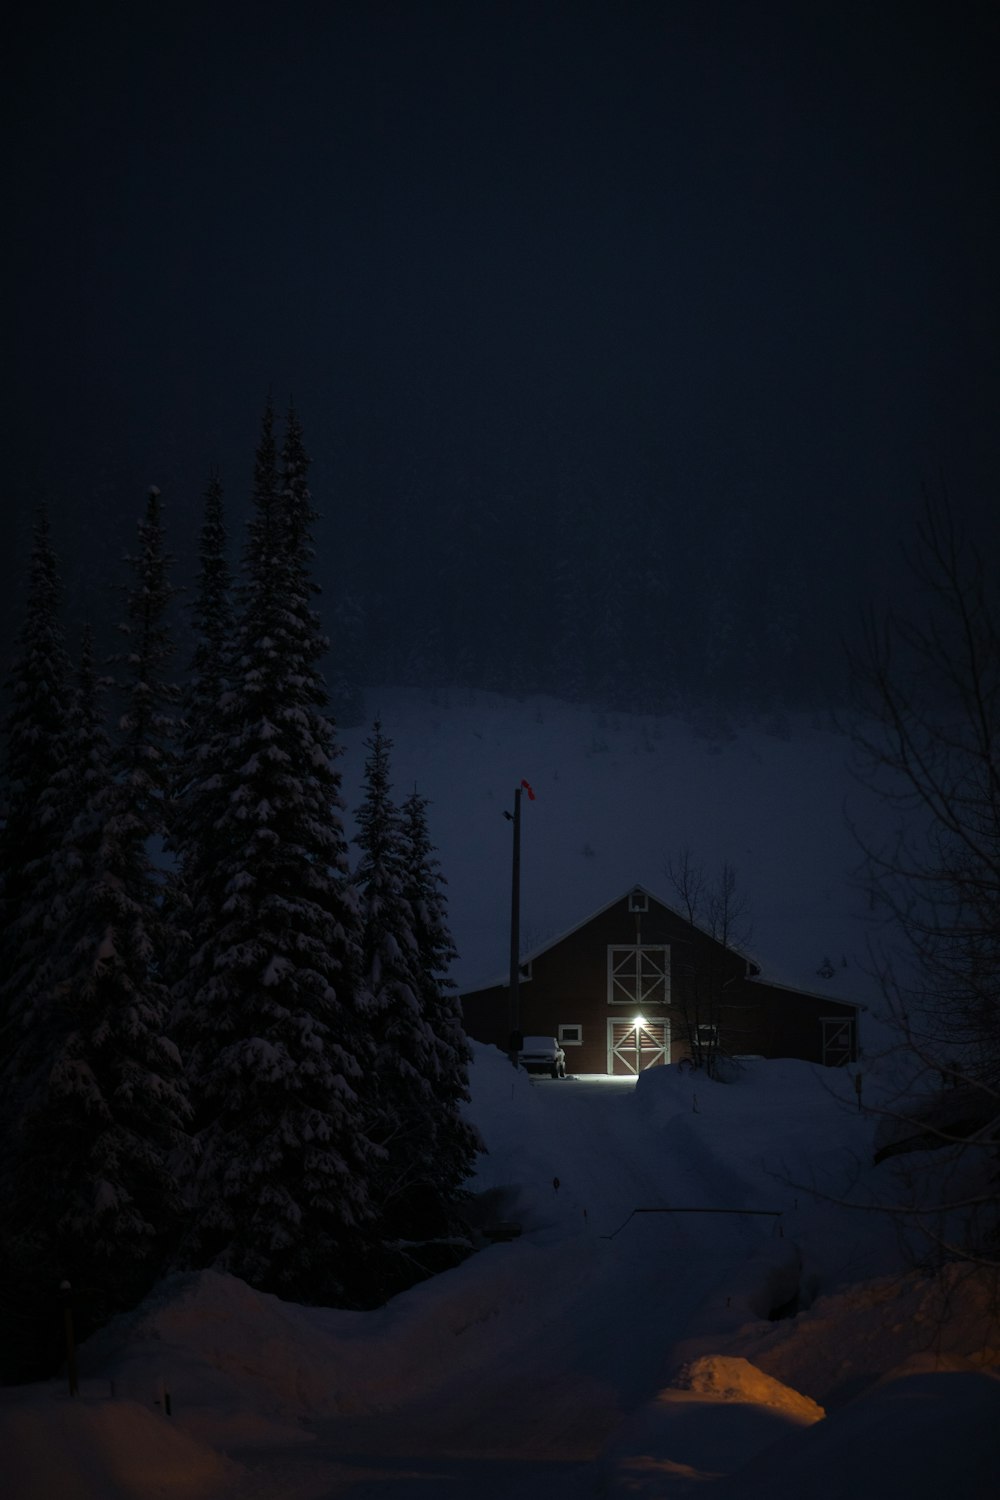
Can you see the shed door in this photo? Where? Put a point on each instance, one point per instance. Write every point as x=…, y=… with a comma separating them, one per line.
x=838, y=1039
x=633, y=1046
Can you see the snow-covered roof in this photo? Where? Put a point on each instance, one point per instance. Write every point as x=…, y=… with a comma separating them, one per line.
x=753, y=967
x=798, y=989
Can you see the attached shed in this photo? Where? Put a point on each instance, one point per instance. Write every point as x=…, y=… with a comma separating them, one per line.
x=622, y=990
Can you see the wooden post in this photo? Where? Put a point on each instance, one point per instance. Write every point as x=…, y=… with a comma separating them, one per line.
x=66, y=1291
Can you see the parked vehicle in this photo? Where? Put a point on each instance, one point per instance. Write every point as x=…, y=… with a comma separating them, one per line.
x=543, y=1054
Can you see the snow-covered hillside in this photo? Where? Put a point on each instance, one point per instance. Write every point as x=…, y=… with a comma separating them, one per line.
x=617, y=796
x=606, y=1351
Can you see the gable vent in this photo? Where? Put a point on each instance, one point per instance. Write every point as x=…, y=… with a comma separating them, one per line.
x=638, y=901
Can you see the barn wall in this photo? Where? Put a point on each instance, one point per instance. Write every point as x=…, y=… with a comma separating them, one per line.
x=569, y=986
x=788, y=1022
x=569, y=983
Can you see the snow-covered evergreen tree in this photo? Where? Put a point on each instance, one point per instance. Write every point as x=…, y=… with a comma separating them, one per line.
x=429, y=1152
x=212, y=617
x=114, y=1089
x=149, y=726
x=34, y=752
x=270, y=1008
x=63, y=810
x=93, y=1196
x=35, y=755
x=195, y=791
x=456, y=1142
x=403, y=1052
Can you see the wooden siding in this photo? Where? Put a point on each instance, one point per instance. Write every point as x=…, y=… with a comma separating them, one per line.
x=788, y=1023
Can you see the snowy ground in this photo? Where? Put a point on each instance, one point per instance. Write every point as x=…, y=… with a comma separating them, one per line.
x=604, y=1352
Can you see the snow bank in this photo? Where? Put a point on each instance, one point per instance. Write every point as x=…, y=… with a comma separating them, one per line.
x=727, y=1378
x=843, y=1344
x=922, y=1434
x=95, y=1448
x=223, y=1347
x=717, y=1414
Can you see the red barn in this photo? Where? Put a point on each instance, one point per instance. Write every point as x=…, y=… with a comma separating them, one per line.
x=637, y=984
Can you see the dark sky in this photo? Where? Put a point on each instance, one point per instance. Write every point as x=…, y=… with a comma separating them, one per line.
x=742, y=252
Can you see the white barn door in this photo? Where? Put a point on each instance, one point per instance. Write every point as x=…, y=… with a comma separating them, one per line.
x=634, y=1046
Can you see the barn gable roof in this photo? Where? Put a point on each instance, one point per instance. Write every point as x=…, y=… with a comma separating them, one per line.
x=753, y=968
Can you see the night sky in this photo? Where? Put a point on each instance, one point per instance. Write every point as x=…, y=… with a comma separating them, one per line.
x=742, y=257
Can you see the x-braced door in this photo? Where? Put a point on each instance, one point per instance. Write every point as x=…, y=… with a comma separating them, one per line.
x=838, y=1040
x=636, y=1045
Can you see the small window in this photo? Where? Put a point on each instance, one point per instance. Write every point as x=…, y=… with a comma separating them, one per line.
x=708, y=1035
x=571, y=1036
x=638, y=901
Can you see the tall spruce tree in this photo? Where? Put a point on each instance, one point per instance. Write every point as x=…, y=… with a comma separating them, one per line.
x=403, y=1053
x=278, y=1036
x=92, y=1195
x=428, y=1150
x=117, y=1082
x=31, y=1039
x=195, y=790
x=149, y=726
x=96, y=1198
x=456, y=1141
x=213, y=625
x=34, y=756
x=34, y=752
x=63, y=809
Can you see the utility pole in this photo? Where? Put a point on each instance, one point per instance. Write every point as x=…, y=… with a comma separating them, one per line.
x=515, y=934
x=515, y=923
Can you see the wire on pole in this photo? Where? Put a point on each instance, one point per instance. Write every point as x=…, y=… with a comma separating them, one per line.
x=768, y=1213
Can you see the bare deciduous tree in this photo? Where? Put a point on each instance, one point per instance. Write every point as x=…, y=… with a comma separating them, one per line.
x=927, y=739
x=709, y=989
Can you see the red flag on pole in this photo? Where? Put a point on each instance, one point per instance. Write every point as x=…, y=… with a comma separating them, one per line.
x=527, y=788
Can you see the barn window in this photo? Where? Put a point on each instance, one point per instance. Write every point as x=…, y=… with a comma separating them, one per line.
x=571, y=1036
x=639, y=977
x=638, y=901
